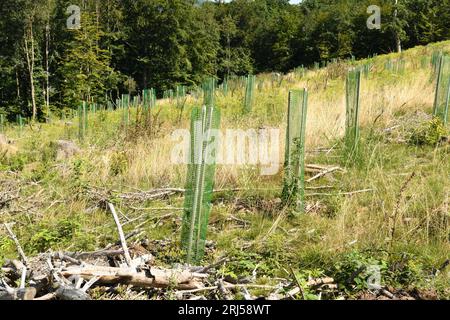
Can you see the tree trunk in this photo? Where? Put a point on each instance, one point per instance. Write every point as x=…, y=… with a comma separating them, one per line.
x=47, y=71
x=17, y=83
x=398, y=42
x=30, y=64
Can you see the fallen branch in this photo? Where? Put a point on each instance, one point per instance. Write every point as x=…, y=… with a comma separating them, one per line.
x=227, y=286
x=319, y=282
x=19, y=247
x=316, y=167
x=153, y=278
x=319, y=188
x=151, y=194
x=66, y=257
x=388, y=294
x=312, y=283
x=95, y=254
x=121, y=235
x=155, y=194
x=23, y=278
x=339, y=193
x=155, y=209
x=214, y=265
x=323, y=173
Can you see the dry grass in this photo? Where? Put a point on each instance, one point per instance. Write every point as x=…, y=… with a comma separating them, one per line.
x=382, y=97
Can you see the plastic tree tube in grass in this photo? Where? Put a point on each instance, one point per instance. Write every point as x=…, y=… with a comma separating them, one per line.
x=82, y=120
x=442, y=95
x=249, y=93
x=2, y=123
x=200, y=177
x=353, y=83
x=20, y=123
x=200, y=182
x=209, y=88
x=294, y=165
x=126, y=109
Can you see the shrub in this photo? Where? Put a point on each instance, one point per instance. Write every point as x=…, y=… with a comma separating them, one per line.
x=119, y=163
x=14, y=162
x=430, y=132
x=48, y=236
x=353, y=270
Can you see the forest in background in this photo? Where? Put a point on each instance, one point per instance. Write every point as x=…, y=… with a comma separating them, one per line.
x=130, y=45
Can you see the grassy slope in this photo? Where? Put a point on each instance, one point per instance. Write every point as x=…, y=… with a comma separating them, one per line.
x=406, y=232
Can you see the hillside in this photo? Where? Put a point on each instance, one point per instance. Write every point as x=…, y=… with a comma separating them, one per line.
x=385, y=207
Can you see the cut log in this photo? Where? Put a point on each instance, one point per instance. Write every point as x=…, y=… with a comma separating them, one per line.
x=154, y=278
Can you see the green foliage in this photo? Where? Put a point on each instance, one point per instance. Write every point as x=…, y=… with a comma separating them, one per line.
x=428, y=133
x=47, y=236
x=14, y=162
x=119, y=163
x=302, y=277
x=79, y=166
x=357, y=270
x=170, y=253
x=6, y=246
x=86, y=66
x=181, y=48
x=244, y=263
x=48, y=152
x=406, y=269
x=353, y=270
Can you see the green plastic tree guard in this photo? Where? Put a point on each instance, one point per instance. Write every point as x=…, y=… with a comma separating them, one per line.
x=249, y=93
x=20, y=123
x=126, y=109
x=442, y=94
x=2, y=123
x=200, y=181
x=209, y=88
x=294, y=164
x=353, y=83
